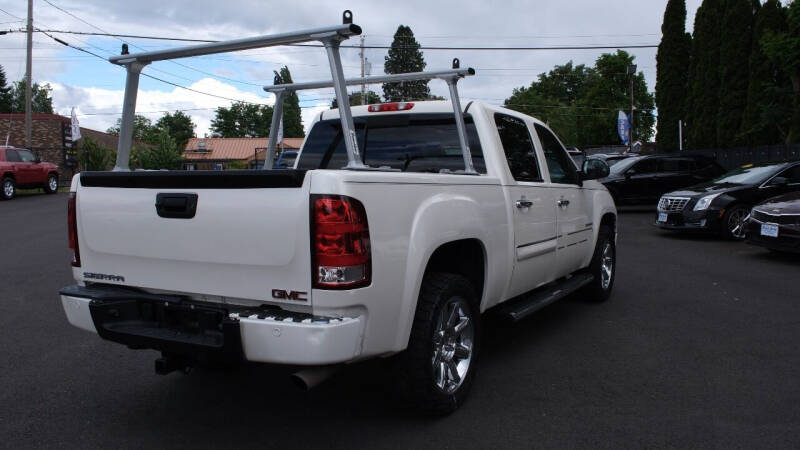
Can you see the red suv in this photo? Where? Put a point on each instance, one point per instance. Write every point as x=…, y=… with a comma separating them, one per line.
x=20, y=168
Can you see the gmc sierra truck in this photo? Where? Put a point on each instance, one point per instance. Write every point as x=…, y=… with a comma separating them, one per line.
x=399, y=225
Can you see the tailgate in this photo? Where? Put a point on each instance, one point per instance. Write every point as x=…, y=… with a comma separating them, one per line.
x=248, y=236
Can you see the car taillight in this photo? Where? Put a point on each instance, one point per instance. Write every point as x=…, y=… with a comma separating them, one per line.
x=340, y=248
x=399, y=106
x=72, y=229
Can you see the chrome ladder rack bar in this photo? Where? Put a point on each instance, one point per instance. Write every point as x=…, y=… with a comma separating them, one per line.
x=134, y=63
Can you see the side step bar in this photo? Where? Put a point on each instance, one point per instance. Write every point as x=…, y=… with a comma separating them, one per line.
x=526, y=304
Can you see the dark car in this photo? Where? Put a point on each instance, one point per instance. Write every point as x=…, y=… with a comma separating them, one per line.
x=286, y=159
x=775, y=223
x=642, y=180
x=611, y=158
x=723, y=204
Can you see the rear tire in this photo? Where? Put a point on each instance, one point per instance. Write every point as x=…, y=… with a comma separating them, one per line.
x=733, y=225
x=436, y=371
x=51, y=187
x=603, y=266
x=8, y=189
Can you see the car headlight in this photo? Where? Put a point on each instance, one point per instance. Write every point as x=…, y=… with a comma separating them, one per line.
x=705, y=202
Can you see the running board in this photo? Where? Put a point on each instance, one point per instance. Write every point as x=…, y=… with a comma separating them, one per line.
x=526, y=304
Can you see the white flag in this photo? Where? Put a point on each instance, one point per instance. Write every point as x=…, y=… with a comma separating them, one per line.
x=76, y=127
x=280, y=132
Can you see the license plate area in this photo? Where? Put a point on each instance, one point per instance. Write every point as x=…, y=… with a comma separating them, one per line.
x=769, y=230
x=662, y=217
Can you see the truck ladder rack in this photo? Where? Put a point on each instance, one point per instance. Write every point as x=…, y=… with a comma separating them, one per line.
x=451, y=77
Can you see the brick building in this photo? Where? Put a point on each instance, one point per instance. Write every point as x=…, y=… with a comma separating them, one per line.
x=51, y=139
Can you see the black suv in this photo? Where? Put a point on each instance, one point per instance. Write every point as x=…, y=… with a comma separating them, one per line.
x=644, y=179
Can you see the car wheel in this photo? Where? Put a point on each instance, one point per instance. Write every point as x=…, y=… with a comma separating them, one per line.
x=734, y=222
x=603, y=266
x=437, y=369
x=9, y=189
x=52, y=185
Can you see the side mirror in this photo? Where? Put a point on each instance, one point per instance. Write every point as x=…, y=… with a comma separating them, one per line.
x=779, y=181
x=37, y=160
x=594, y=169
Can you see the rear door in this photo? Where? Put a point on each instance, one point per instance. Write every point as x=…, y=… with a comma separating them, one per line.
x=532, y=204
x=248, y=235
x=28, y=169
x=573, y=211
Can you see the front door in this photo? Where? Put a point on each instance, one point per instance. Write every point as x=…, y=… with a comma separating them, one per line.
x=574, y=224
x=532, y=205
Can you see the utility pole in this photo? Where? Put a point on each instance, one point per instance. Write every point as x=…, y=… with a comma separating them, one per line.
x=631, y=73
x=28, y=77
x=363, y=63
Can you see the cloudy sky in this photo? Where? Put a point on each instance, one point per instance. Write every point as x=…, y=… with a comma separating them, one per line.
x=95, y=87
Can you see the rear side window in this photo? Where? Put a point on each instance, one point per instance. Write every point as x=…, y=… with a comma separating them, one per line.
x=646, y=166
x=518, y=146
x=409, y=142
x=676, y=165
x=26, y=156
x=12, y=156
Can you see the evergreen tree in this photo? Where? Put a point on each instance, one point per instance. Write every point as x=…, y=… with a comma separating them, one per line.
x=704, y=77
x=355, y=99
x=292, y=119
x=41, y=100
x=164, y=155
x=783, y=49
x=734, y=51
x=404, y=56
x=672, y=60
x=768, y=112
x=5, y=93
x=94, y=156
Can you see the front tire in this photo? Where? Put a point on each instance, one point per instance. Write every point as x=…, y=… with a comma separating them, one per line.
x=603, y=266
x=436, y=371
x=52, y=184
x=8, y=189
x=734, y=222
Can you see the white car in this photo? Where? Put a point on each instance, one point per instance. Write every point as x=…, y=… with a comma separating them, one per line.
x=318, y=266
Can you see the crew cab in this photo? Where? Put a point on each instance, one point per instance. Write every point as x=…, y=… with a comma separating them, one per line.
x=20, y=168
x=317, y=266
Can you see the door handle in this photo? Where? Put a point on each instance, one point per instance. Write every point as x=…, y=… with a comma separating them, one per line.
x=176, y=206
x=523, y=203
x=563, y=203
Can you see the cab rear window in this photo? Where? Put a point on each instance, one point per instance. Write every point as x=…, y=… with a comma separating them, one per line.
x=408, y=142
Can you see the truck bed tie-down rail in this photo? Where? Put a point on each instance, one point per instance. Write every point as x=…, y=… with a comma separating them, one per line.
x=331, y=38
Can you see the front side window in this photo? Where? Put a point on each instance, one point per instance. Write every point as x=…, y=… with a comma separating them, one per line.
x=26, y=156
x=408, y=142
x=561, y=167
x=518, y=146
x=645, y=166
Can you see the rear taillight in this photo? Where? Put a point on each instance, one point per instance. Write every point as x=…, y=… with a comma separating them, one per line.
x=72, y=229
x=339, y=242
x=398, y=106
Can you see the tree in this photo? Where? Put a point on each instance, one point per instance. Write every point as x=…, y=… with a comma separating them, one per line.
x=242, y=120
x=783, y=49
x=734, y=51
x=404, y=56
x=355, y=99
x=41, y=100
x=164, y=155
x=179, y=126
x=143, y=129
x=5, y=93
x=672, y=60
x=292, y=119
x=769, y=108
x=703, y=103
x=94, y=156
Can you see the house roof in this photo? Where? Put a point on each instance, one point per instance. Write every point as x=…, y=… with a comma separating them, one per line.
x=232, y=148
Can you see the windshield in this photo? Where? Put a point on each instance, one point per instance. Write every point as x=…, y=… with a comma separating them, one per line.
x=748, y=175
x=409, y=142
x=623, y=165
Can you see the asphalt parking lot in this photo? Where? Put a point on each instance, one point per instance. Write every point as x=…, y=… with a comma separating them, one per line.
x=698, y=347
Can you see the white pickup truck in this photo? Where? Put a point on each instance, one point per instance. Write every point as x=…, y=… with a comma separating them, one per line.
x=389, y=239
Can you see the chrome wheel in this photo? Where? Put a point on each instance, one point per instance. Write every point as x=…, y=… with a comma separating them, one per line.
x=737, y=221
x=452, y=345
x=52, y=183
x=8, y=188
x=607, y=266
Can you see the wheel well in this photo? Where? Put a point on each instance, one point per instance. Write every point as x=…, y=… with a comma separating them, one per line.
x=53, y=172
x=465, y=257
x=609, y=219
x=8, y=175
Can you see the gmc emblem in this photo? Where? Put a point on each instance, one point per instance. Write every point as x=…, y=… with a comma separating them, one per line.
x=280, y=294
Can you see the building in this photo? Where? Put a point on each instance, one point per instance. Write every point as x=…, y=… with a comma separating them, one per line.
x=51, y=140
x=231, y=153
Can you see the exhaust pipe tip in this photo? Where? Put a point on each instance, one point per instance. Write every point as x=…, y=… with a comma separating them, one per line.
x=312, y=377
